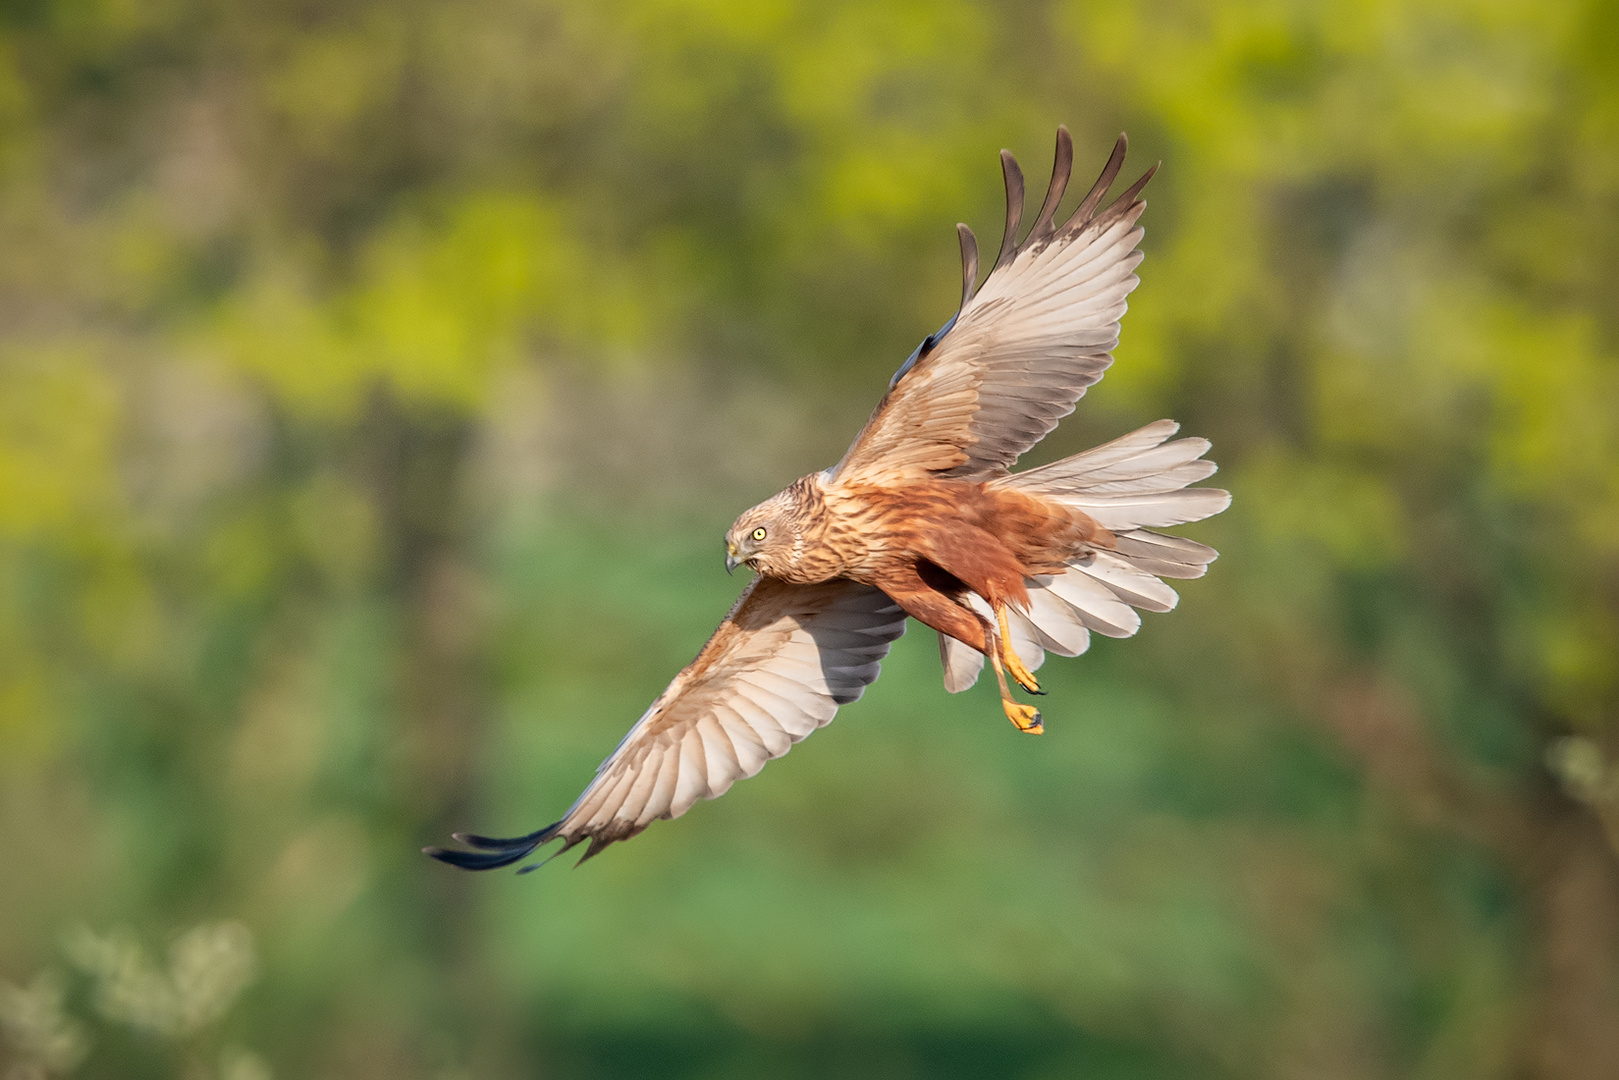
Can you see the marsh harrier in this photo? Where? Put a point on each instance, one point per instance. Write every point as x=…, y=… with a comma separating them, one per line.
x=924, y=519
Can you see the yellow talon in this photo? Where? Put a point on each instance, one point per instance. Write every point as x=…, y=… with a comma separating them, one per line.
x=1014, y=665
x=1025, y=718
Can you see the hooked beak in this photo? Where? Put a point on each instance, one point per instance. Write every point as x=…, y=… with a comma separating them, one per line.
x=733, y=558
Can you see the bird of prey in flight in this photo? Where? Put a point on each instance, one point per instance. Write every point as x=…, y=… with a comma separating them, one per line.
x=924, y=519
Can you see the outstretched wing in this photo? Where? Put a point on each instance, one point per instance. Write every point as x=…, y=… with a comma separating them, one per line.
x=777, y=668
x=1021, y=350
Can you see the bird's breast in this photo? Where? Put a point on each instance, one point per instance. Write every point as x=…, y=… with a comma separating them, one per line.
x=873, y=528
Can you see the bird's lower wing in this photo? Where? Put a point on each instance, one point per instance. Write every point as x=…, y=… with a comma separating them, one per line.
x=778, y=667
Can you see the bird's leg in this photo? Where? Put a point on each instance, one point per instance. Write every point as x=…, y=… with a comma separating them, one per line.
x=935, y=609
x=1025, y=678
x=1025, y=718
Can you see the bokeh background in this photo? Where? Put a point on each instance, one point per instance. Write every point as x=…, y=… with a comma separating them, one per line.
x=376, y=381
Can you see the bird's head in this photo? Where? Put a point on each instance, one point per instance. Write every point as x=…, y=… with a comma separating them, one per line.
x=766, y=537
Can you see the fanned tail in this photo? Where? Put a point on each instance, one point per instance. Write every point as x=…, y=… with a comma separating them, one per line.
x=1137, y=481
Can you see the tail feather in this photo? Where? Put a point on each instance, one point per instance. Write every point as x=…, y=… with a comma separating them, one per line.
x=1058, y=626
x=1098, y=457
x=1099, y=607
x=1170, y=479
x=1134, y=586
x=1119, y=513
x=1050, y=625
x=1166, y=556
x=1154, y=462
x=1135, y=483
x=962, y=664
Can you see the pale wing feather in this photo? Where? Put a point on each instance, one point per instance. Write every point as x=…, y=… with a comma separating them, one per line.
x=778, y=667
x=749, y=743
x=1021, y=351
x=649, y=771
x=662, y=792
x=755, y=710
x=691, y=783
x=721, y=758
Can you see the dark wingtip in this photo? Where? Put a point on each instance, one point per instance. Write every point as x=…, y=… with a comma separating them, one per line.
x=489, y=843
x=1062, y=166
x=597, y=846
x=1110, y=171
x=473, y=860
x=1127, y=198
x=1014, y=206
x=969, y=262
x=494, y=853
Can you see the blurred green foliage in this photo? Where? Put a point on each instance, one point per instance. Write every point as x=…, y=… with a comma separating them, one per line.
x=377, y=379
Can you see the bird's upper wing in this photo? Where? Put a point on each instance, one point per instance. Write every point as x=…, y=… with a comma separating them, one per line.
x=777, y=668
x=1021, y=350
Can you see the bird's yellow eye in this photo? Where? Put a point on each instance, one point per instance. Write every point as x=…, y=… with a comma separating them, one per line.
x=759, y=533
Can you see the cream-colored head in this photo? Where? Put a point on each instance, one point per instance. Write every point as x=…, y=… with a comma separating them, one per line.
x=767, y=537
